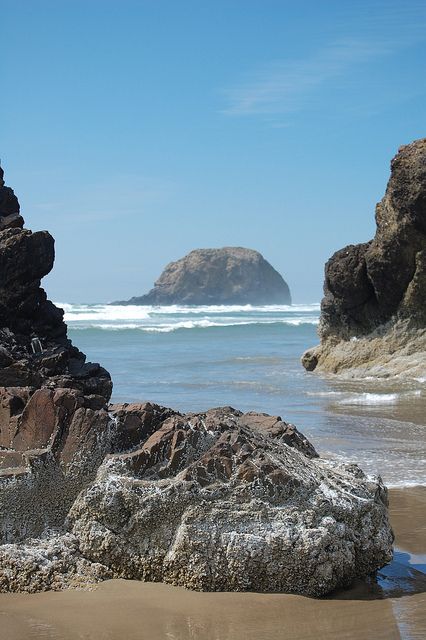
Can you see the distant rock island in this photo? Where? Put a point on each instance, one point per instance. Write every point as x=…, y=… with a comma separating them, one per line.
x=231, y=275
x=373, y=314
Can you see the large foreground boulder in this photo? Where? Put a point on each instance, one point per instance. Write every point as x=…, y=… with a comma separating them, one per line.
x=214, y=501
x=373, y=314
x=232, y=275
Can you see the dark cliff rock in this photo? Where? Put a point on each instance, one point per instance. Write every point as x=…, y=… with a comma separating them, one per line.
x=53, y=405
x=34, y=348
x=232, y=275
x=9, y=204
x=380, y=284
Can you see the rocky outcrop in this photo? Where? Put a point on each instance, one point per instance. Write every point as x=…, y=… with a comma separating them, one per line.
x=54, y=421
x=9, y=205
x=373, y=314
x=214, y=501
x=232, y=275
x=219, y=500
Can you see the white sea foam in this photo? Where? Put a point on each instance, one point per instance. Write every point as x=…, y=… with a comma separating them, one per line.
x=370, y=398
x=187, y=324
x=377, y=398
x=404, y=483
x=367, y=398
x=165, y=319
x=104, y=312
x=325, y=394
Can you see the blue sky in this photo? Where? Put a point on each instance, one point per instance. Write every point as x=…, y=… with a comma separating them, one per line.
x=135, y=131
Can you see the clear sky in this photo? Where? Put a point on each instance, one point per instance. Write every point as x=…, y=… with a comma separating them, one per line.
x=137, y=130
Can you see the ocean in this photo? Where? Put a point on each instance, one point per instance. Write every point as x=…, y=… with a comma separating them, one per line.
x=194, y=358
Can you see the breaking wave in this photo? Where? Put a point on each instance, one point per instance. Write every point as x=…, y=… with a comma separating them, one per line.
x=165, y=319
x=366, y=398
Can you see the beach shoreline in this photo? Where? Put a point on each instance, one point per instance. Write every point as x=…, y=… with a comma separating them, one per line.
x=135, y=610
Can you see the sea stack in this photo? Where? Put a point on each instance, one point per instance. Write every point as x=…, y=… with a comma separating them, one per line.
x=231, y=275
x=373, y=314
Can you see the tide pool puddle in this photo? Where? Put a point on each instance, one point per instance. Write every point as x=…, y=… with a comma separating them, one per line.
x=406, y=574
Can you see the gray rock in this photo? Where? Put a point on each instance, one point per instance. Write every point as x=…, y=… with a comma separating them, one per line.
x=219, y=501
x=232, y=275
x=48, y=563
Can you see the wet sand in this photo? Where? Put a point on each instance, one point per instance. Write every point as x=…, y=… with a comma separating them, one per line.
x=126, y=610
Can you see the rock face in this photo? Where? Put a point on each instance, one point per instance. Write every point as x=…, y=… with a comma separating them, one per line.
x=375, y=292
x=53, y=405
x=214, y=501
x=9, y=204
x=231, y=275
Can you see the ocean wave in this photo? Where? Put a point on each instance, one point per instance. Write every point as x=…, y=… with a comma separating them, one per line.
x=185, y=324
x=136, y=312
x=104, y=313
x=405, y=484
x=166, y=319
x=365, y=398
x=377, y=398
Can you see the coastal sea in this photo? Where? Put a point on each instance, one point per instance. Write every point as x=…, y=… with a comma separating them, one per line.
x=193, y=358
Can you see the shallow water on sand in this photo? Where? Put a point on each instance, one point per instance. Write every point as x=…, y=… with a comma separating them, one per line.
x=125, y=610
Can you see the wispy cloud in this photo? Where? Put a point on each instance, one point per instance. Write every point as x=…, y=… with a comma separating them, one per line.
x=283, y=86
x=287, y=86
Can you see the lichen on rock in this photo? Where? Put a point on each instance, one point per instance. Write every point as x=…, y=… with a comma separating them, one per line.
x=233, y=502
x=214, y=501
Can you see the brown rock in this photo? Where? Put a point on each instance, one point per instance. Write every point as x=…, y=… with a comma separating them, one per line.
x=87, y=437
x=37, y=422
x=177, y=444
x=12, y=403
x=136, y=422
x=231, y=507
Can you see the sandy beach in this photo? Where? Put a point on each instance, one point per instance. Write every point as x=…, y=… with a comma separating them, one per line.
x=119, y=609
x=212, y=320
